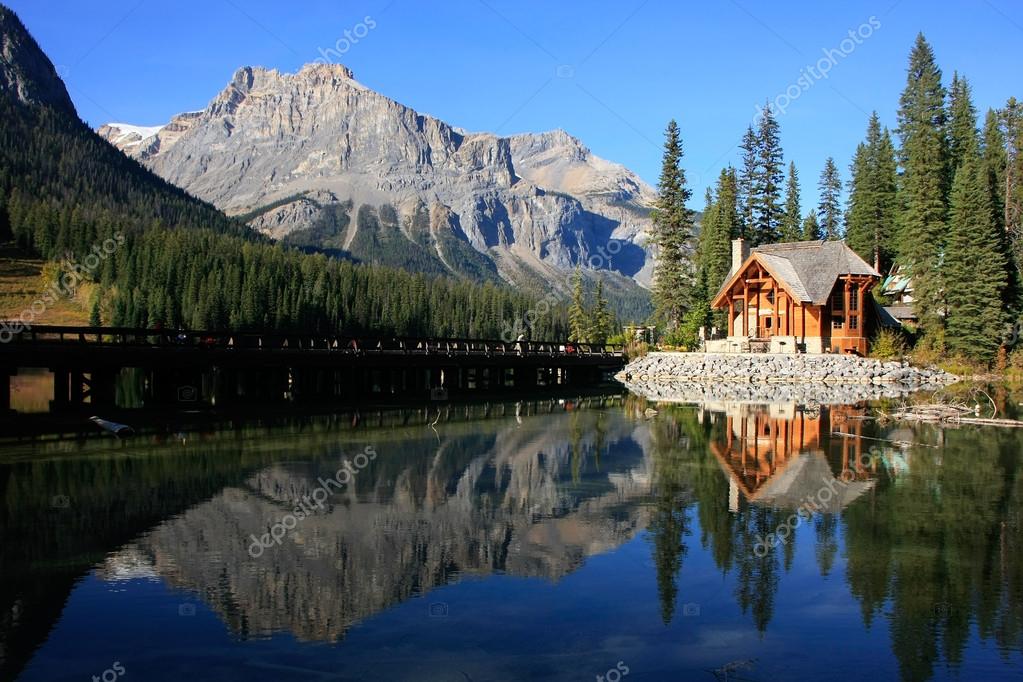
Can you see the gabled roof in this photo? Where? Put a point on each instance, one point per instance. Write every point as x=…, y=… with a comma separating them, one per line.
x=807, y=270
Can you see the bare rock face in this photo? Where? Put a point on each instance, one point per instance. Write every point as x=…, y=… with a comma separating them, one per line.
x=26, y=73
x=270, y=143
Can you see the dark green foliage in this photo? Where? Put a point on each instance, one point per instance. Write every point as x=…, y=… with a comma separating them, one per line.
x=975, y=261
x=767, y=208
x=829, y=208
x=962, y=122
x=600, y=318
x=673, y=229
x=811, y=228
x=924, y=187
x=577, y=317
x=873, y=204
x=714, y=252
x=747, y=179
x=791, y=223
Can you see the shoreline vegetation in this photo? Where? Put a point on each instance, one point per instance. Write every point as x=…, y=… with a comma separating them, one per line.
x=937, y=198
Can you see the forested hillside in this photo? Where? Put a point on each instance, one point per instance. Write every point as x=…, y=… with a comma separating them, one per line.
x=171, y=259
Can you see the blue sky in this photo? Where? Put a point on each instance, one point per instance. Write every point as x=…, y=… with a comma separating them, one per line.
x=610, y=73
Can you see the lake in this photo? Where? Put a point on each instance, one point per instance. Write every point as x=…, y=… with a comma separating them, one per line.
x=589, y=539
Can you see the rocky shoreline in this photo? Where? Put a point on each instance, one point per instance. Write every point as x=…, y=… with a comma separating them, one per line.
x=698, y=377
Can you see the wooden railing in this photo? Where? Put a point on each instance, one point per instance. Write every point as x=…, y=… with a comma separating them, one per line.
x=120, y=337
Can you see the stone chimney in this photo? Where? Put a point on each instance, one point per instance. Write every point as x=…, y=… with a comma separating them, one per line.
x=740, y=252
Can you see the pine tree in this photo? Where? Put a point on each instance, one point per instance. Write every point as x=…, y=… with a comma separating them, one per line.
x=975, y=265
x=872, y=212
x=811, y=228
x=995, y=161
x=601, y=319
x=673, y=228
x=577, y=318
x=962, y=121
x=791, y=227
x=95, y=319
x=829, y=207
x=767, y=210
x=747, y=180
x=924, y=187
x=716, y=260
x=1012, y=194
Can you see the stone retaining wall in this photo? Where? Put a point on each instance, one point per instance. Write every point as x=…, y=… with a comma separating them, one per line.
x=778, y=369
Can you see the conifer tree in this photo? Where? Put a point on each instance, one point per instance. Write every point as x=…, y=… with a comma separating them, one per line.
x=577, y=318
x=829, y=207
x=601, y=319
x=717, y=259
x=924, y=187
x=672, y=232
x=1012, y=194
x=95, y=319
x=811, y=228
x=767, y=205
x=747, y=180
x=791, y=227
x=872, y=212
x=974, y=262
x=962, y=121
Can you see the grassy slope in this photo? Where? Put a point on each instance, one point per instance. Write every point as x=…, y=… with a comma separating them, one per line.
x=22, y=282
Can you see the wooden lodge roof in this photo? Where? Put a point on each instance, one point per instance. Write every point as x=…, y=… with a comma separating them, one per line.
x=807, y=270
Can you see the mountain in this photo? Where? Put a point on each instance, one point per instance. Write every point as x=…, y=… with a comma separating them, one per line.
x=319, y=160
x=25, y=72
x=131, y=249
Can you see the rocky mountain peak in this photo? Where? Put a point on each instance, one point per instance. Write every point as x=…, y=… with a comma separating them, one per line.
x=26, y=73
x=273, y=145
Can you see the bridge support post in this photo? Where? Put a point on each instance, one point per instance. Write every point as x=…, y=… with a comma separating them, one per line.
x=61, y=390
x=5, y=390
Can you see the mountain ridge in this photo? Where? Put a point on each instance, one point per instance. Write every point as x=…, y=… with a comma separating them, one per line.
x=533, y=205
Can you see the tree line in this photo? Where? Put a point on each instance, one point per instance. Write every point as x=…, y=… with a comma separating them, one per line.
x=945, y=204
x=182, y=263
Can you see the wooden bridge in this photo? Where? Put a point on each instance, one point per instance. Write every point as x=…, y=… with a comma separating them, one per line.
x=185, y=368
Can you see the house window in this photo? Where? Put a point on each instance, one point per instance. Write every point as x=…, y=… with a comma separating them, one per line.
x=767, y=323
x=854, y=302
x=836, y=303
x=837, y=323
x=770, y=296
x=854, y=322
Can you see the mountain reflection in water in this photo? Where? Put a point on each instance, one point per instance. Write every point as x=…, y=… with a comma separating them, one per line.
x=542, y=540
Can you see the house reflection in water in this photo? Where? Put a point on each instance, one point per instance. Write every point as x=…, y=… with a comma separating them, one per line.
x=777, y=455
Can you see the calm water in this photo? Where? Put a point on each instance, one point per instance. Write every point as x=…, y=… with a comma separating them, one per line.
x=547, y=541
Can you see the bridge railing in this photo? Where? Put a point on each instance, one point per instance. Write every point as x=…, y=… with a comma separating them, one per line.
x=15, y=333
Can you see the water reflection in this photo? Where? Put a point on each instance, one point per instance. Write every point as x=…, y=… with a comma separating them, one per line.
x=916, y=548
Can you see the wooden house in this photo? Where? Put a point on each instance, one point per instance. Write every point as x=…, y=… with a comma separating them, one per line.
x=810, y=297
